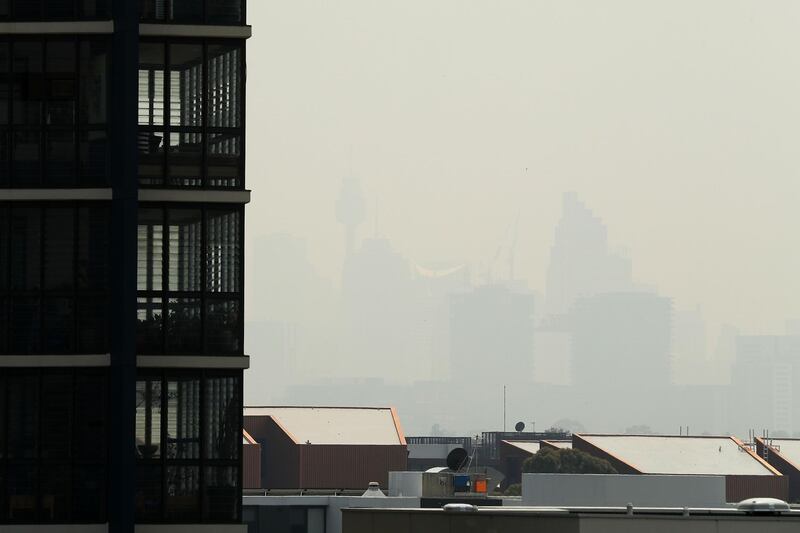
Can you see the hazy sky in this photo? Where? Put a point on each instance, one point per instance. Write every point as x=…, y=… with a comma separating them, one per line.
x=677, y=122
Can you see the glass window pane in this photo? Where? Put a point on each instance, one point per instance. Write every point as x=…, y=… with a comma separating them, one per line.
x=224, y=86
x=61, y=66
x=4, y=12
x=94, y=81
x=91, y=395
x=186, y=83
x=148, y=418
x=2, y=418
x=59, y=248
x=93, y=325
x=89, y=494
x=4, y=243
x=60, y=157
x=151, y=157
x=4, y=325
x=224, y=160
x=223, y=422
x=183, y=419
x=148, y=493
x=186, y=11
x=27, y=9
x=56, y=413
x=60, y=57
x=28, y=87
x=224, y=252
x=5, y=157
x=150, y=326
x=224, y=12
x=23, y=416
x=21, y=487
x=223, y=332
x=93, y=247
x=58, y=319
x=27, y=160
x=151, y=84
x=183, y=493
x=26, y=247
x=93, y=158
x=184, y=333
x=150, y=250
x=58, y=9
x=55, y=488
x=93, y=8
x=5, y=87
x=185, y=253
x=222, y=494
x=186, y=159
x=61, y=102
x=24, y=326
x=152, y=9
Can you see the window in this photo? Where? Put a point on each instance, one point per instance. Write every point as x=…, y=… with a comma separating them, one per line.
x=53, y=99
x=188, y=451
x=190, y=114
x=38, y=10
x=190, y=280
x=53, y=424
x=219, y=12
x=54, y=261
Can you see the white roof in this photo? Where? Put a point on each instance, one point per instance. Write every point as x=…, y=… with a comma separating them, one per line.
x=530, y=446
x=789, y=449
x=653, y=454
x=562, y=444
x=335, y=425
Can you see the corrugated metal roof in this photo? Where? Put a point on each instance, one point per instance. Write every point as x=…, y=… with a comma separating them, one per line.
x=335, y=425
x=653, y=454
x=530, y=446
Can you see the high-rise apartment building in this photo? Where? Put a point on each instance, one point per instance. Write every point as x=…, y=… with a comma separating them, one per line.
x=122, y=198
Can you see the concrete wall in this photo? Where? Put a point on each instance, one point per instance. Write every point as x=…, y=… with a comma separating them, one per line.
x=601, y=490
x=333, y=505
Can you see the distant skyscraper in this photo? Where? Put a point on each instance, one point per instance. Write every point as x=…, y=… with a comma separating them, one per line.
x=764, y=379
x=621, y=340
x=350, y=211
x=491, y=336
x=581, y=263
x=377, y=299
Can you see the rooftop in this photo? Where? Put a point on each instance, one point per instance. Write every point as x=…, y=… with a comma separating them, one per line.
x=655, y=454
x=336, y=425
x=789, y=449
x=524, y=445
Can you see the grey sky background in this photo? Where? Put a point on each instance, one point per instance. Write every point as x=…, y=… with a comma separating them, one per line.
x=677, y=122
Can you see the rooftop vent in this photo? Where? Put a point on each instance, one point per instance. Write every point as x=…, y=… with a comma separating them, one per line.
x=373, y=491
x=763, y=506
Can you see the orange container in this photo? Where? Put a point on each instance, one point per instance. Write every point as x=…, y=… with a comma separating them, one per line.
x=480, y=485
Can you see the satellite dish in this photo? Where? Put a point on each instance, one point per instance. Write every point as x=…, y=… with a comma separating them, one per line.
x=520, y=426
x=457, y=459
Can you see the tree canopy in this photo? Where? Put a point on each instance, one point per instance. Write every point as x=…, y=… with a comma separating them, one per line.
x=566, y=461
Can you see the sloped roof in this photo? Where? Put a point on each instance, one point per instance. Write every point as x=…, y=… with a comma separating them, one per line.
x=789, y=449
x=530, y=446
x=655, y=454
x=336, y=425
x=561, y=444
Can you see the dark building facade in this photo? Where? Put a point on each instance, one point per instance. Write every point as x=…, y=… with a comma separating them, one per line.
x=122, y=197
